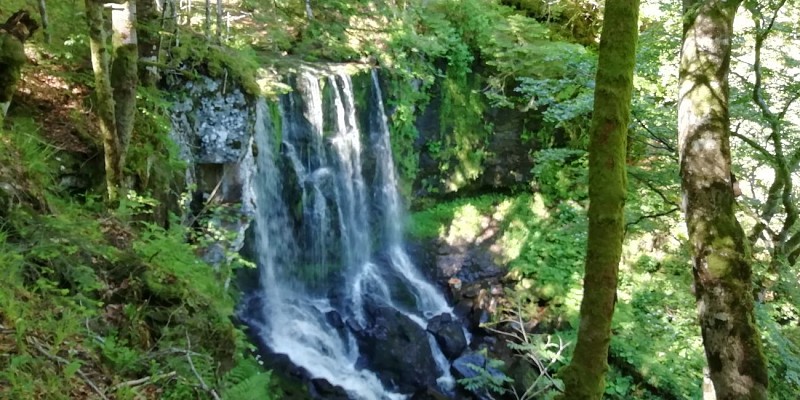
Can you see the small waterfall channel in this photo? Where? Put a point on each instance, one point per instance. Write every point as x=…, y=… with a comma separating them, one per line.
x=334, y=277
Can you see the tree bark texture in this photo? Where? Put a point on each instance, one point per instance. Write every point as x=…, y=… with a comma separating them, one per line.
x=220, y=22
x=104, y=95
x=124, y=72
x=45, y=20
x=148, y=20
x=722, y=271
x=584, y=378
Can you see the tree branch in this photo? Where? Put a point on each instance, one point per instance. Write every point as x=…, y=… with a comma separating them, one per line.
x=648, y=216
x=59, y=360
x=752, y=143
x=141, y=381
x=196, y=374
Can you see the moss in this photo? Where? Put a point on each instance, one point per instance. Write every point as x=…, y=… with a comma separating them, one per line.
x=584, y=378
x=12, y=58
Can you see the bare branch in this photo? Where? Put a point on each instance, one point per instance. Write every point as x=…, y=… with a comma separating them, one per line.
x=752, y=143
x=142, y=381
x=650, y=216
x=59, y=360
x=196, y=374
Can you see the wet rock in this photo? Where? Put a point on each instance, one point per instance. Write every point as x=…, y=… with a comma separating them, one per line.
x=429, y=393
x=397, y=349
x=353, y=326
x=322, y=389
x=463, y=308
x=448, y=334
x=334, y=319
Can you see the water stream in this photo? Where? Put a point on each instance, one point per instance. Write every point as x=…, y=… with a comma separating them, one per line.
x=338, y=244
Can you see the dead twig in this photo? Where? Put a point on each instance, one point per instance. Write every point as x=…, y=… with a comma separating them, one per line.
x=196, y=374
x=59, y=360
x=142, y=381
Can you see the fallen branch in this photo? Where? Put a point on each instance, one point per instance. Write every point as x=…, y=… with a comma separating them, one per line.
x=142, y=381
x=60, y=360
x=196, y=374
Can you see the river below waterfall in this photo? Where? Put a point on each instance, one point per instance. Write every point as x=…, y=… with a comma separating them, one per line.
x=337, y=292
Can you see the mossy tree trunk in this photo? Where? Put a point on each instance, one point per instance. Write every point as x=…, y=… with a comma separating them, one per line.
x=721, y=267
x=124, y=71
x=584, y=378
x=148, y=24
x=104, y=97
x=115, y=85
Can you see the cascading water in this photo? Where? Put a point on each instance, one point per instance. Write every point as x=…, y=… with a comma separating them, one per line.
x=317, y=258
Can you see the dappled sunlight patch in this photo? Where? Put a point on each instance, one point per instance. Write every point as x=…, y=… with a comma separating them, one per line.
x=655, y=329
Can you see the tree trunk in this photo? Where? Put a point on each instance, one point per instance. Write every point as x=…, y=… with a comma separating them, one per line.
x=148, y=36
x=584, y=378
x=208, y=20
x=721, y=268
x=104, y=97
x=45, y=21
x=220, y=23
x=124, y=72
x=309, y=12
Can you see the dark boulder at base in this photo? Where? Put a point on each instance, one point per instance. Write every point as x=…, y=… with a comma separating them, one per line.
x=430, y=393
x=448, y=334
x=396, y=349
x=334, y=319
x=322, y=389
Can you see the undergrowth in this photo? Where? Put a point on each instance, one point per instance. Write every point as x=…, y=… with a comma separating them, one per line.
x=656, y=351
x=98, y=303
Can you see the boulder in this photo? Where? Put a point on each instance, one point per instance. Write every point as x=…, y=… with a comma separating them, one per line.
x=322, y=389
x=448, y=334
x=396, y=349
x=429, y=393
x=334, y=319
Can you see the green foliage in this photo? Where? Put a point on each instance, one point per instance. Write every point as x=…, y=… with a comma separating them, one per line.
x=436, y=221
x=248, y=381
x=463, y=134
x=566, y=100
x=153, y=157
x=781, y=343
x=561, y=173
x=440, y=45
x=195, y=55
x=488, y=377
x=575, y=20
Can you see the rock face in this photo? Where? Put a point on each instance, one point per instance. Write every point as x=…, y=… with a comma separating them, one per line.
x=217, y=120
x=213, y=127
x=449, y=335
x=397, y=349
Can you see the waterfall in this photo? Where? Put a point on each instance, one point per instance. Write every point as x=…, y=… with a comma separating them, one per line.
x=318, y=258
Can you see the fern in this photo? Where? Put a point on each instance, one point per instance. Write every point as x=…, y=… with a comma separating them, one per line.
x=248, y=381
